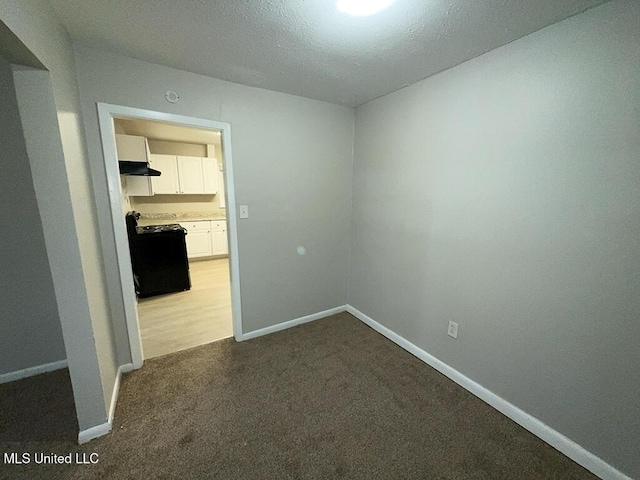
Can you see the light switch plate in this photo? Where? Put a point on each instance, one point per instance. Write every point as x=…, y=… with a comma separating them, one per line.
x=452, y=331
x=244, y=211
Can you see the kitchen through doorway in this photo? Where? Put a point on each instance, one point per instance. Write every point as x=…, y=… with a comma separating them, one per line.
x=173, y=199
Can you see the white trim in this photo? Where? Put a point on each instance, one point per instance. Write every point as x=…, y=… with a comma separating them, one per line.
x=31, y=371
x=126, y=368
x=106, y=113
x=294, y=322
x=232, y=223
x=116, y=389
x=127, y=289
x=94, y=432
x=99, y=430
x=554, y=438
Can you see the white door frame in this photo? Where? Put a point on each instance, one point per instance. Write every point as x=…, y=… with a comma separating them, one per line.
x=106, y=114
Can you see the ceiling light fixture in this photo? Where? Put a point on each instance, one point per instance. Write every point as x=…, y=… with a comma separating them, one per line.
x=362, y=8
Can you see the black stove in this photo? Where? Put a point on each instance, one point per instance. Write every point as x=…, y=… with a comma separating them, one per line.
x=158, y=257
x=173, y=227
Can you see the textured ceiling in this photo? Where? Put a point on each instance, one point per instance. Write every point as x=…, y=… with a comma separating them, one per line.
x=308, y=47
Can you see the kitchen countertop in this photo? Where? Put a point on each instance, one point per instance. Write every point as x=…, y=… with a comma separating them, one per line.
x=166, y=218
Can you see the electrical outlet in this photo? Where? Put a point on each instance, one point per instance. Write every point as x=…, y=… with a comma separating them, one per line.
x=452, y=331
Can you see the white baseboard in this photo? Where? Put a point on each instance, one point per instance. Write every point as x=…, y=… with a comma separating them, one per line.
x=293, y=323
x=99, y=430
x=127, y=367
x=94, y=432
x=31, y=371
x=554, y=438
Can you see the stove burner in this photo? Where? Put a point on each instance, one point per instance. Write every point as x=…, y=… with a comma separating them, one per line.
x=174, y=227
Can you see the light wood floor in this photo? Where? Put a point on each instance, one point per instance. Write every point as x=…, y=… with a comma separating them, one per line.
x=176, y=321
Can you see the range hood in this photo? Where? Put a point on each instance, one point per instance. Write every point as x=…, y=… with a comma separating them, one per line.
x=140, y=169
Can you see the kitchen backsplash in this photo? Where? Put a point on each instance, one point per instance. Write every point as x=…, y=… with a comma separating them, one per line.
x=184, y=215
x=177, y=204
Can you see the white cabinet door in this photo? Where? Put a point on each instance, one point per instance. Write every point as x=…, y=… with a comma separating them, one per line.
x=190, y=175
x=219, y=238
x=198, y=239
x=199, y=244
x=220, y=242
x=210, y=173
x=205, y=238
x=168, y=166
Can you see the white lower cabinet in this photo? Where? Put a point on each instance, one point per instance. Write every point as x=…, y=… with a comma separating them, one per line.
x=219, y=238
x=206, y=238
x=198, y=239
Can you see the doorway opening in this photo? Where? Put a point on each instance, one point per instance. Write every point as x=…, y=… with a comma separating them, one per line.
x=176, y=236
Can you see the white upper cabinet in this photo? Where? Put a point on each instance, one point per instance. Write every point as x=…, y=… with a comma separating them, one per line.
x=167, y=182
x=190, y=175
x=133, y=148
x=181, y=174
x=210, y=173
x=178, y=174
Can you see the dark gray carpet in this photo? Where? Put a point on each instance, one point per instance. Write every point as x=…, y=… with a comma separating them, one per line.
x=329, y=399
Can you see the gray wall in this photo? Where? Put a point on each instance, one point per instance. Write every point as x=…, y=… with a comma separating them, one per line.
x=30, y=332
x=503, y=194
x=292, y=165
x=50, y=113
